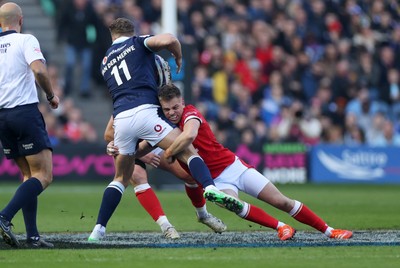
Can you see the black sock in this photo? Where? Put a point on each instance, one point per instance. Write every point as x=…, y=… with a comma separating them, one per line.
x=26, y=194
x=29, y=212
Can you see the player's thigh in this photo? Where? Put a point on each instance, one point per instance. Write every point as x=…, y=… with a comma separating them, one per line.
x=124, y=166
x=271, y=195
x=143, y=122
x=41, y=165
x=230, y=177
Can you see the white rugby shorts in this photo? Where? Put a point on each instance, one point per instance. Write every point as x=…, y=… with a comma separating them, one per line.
x=237, y=176
x=142, y=122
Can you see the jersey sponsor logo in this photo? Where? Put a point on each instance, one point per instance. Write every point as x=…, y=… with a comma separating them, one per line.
x=105, y=60
x=157, y=128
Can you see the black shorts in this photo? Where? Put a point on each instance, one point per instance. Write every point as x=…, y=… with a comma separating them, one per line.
x=140, y=163
x=23, y=131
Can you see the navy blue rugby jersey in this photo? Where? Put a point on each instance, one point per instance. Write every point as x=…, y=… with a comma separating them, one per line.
x=129, y=71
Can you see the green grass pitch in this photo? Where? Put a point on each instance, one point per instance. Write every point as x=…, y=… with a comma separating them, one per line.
x=72, y=208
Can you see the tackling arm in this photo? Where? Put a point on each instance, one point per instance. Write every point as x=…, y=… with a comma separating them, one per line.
x=185, y=139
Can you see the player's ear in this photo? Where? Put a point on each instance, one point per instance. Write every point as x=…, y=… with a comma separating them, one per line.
x=183, y=101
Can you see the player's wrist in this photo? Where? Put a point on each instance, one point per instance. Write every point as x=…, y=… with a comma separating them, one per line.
x=50, y=97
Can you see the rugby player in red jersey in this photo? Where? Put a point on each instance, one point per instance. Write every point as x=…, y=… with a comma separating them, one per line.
x=231, y=174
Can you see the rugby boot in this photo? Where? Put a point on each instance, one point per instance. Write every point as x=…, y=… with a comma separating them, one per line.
x=6, y=233
x=286, y=232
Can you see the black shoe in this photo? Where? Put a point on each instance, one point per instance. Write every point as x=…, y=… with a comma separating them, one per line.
x=37, y=242
x=5, y=231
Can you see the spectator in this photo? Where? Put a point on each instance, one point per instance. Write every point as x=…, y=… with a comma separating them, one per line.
x=388, y=137
x=334, y=135
x=77, y=26
x=324, y=50
x=353, y=134
x=363, y=107
x=103, y=40
x=368, y=72
x=374, y=132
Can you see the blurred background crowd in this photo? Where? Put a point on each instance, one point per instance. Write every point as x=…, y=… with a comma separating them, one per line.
x=308, y=71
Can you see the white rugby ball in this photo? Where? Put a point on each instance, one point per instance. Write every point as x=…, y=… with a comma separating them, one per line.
x=163, y=71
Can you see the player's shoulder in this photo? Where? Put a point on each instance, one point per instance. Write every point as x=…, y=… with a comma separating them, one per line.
x=191, y=111
x=190, y=108
x=23, y=36
x=27, y=39
x=142, y=38
x=27, y=36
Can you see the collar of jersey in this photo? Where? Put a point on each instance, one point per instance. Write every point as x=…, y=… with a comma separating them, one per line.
x=7, y=32
x=120, y=39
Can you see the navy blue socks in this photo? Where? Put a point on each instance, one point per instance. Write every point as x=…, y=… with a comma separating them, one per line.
x=30, y=211
x=200, y=171
x=111, y=198
x=26, y=195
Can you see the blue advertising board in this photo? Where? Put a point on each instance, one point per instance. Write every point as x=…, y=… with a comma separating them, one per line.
x=361, y=164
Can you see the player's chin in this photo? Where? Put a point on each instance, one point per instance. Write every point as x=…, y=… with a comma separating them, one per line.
x=173, y=121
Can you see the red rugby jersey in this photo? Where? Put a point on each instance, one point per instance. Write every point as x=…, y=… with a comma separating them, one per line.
x=216, y=156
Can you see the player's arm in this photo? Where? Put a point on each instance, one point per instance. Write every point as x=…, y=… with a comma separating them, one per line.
x=42, y=78
x=166, y=41
x=109, y=131
x=186, y=138
x=142, y=150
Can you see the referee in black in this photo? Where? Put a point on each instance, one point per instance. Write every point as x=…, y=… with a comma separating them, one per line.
x=22, y=129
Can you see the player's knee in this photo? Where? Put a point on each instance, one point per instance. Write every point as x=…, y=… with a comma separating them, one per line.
x=137, y=181
x=45, y=180
x=138, y=177
x=284, y=204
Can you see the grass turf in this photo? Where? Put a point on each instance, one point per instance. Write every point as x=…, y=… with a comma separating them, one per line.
x=74, y=207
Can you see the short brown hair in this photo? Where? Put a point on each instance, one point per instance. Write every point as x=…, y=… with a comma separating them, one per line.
x=168, y=92
x=122, y=26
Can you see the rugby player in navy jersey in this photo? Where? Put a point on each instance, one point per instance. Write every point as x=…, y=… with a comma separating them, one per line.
x=128, y=69
x=22, y=128
x=148, y=198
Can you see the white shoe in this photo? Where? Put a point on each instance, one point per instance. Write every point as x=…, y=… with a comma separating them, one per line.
x=98, y=233
x=214, y=223
x=171, y=233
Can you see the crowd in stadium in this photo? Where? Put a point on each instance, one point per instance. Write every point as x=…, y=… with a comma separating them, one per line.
x=274, y=70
